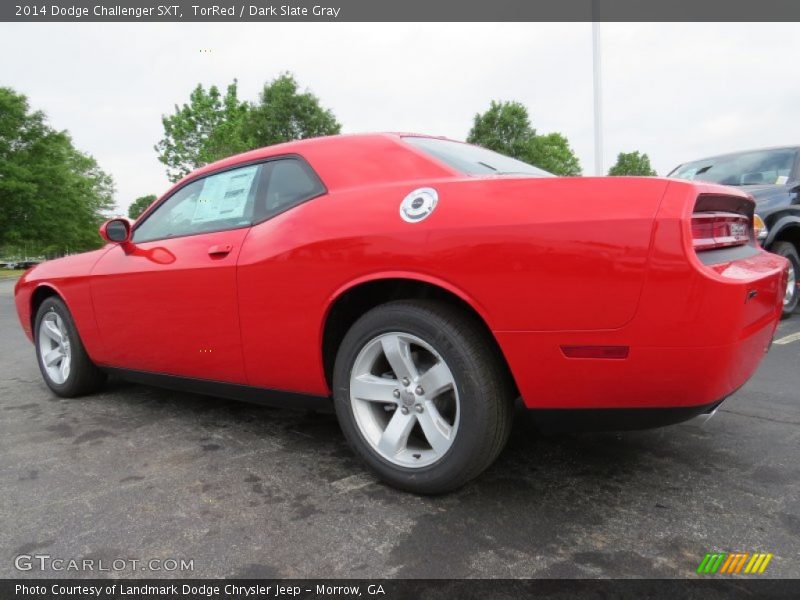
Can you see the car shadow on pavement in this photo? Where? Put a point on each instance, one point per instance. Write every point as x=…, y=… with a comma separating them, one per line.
x=602, y=460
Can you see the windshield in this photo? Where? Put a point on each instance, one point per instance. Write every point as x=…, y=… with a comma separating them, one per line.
x=474, y=160
x=762, y=167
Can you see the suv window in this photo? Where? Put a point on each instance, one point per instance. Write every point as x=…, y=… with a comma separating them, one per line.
x=288, y=182
x=213, y=203
x=761, y=167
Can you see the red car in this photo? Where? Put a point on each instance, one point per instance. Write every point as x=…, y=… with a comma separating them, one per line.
x=423, y=285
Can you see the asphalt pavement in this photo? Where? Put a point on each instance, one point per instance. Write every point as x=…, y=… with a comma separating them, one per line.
x=140, y=474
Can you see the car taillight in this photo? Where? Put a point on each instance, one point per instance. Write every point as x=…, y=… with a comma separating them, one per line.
x=712, y=230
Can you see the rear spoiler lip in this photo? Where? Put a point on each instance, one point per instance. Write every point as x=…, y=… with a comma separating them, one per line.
x=721, y=202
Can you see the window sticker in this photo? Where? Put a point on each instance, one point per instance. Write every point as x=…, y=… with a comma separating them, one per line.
x=224, y=196
x=782, y=179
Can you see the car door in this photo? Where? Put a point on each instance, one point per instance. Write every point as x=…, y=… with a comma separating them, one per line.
x=167, y=301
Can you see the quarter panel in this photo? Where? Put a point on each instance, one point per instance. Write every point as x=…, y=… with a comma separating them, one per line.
x=699, y=332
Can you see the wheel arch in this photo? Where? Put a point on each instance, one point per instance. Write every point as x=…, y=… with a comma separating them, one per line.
x=42, y=292
x=786, y=229
x=353, y=300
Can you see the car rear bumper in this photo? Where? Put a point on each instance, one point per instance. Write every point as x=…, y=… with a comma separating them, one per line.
x=617, y=419
x=697, y=337
x=650, y=377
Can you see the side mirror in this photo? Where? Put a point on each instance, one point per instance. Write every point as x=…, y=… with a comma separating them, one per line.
x=116, y=231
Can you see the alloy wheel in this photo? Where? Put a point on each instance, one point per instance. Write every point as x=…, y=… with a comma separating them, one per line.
x=54, y=347
x=404, y=399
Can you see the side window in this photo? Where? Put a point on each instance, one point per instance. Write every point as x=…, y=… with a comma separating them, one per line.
x=217, y=202
x=289, y=182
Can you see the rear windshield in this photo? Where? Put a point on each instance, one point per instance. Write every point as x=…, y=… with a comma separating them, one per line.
x=474, y=160
x=762, y=167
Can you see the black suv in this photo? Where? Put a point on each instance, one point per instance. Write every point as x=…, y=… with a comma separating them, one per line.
x=772, y=177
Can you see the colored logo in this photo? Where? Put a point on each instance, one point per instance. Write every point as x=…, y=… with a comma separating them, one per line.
x=734, y=562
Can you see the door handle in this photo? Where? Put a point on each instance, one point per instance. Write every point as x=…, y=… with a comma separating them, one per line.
x=220, y=249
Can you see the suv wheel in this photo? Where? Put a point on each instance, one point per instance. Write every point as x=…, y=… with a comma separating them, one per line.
x=792, y=295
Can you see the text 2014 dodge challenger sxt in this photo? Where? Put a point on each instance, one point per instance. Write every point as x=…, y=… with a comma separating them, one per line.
x=424, y=285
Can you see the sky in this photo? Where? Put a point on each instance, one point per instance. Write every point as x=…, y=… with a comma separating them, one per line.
x=675, y=91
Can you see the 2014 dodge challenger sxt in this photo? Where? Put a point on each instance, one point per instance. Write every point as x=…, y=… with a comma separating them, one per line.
x=424, y=285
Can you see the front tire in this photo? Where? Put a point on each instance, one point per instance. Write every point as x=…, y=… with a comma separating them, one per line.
x=422, y=395
x=792, y=295
x=65, y=366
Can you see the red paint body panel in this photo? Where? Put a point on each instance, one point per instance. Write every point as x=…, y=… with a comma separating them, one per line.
x=69, y=278
x=173, y=303
x=694, y=340
x=545, y=262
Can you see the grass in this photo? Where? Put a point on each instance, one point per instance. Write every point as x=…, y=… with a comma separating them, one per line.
x=10, y=273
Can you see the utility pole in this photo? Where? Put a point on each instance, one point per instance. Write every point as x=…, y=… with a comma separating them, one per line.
x=598, y=93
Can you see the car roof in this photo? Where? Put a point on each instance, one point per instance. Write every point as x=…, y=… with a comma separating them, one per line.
x=322, y=152
x=297, y=146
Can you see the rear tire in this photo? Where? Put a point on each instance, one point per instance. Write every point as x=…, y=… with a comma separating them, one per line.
x=452, y=416
x=792, y=297
x=65, y=366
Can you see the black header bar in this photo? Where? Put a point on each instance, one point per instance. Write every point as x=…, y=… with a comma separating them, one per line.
x=400, y=10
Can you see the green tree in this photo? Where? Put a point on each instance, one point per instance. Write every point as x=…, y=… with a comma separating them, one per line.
x=209, y=127
x=212, y=126
x=139, y=205
x=506, y=128
x=552, y=153
x=283, y=113
x=52, y=196
x=632, y=163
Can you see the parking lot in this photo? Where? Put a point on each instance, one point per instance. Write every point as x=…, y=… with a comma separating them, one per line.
x=247, y=491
